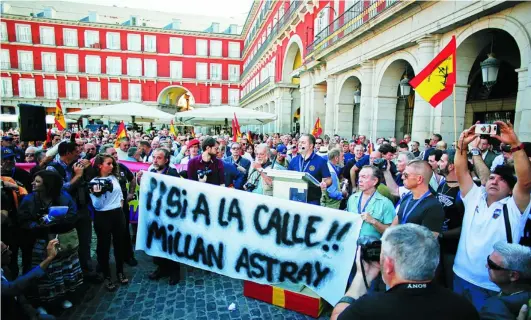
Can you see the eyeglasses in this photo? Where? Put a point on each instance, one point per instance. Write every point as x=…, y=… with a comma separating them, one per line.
x=407, y=175
x=235, y=148
x=30, y=154
x=493, y=266
x=5, y=249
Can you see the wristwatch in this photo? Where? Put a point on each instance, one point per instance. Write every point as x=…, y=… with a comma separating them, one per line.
x=347, y=299
x=518, y=147
x=475, y=151
x=261, y=170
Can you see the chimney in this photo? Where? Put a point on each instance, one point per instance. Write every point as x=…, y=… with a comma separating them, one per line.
x=93, y=16
x=215, y=27
x=49, y=12
x=135, y=21
x=233, y=29
x=176, y=24
x=5, y=7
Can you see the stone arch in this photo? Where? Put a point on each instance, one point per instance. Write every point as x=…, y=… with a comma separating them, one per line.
x=173, y=96
x=294, y=50
x=347, y=122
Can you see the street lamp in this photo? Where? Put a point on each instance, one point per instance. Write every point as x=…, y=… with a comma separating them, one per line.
x=489, y=70
x=357, y=96
x=405, y=88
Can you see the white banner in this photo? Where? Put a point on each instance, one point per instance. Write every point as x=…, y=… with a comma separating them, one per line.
x=247, y=236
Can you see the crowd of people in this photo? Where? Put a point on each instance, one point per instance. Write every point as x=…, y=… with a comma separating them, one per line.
x=452, y=220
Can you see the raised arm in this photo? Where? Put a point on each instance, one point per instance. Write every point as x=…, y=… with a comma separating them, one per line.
x=461, y=162
x=480, y=167
x=522, y=165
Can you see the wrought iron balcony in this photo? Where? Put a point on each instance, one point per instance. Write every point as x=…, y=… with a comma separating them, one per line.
x=256, y=89
x=352, y=19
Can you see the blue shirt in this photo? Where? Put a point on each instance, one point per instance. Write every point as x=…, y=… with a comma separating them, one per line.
x=317, y=167
x=347, y=156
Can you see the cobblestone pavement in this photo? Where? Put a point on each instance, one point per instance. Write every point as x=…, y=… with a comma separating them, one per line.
x=200, y=295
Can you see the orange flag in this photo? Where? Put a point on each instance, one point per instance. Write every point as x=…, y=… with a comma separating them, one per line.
x=249, y=137
x=317, y=129
x=436, y=81
x=120, y=133
x=59, y=117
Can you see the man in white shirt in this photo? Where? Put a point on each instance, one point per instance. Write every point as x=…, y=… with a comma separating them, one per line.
x=125, y=144
x=493, y=212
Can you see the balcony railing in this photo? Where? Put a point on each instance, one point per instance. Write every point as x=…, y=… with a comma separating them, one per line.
x=273, y=35
x=352, y=19
x=257, y=88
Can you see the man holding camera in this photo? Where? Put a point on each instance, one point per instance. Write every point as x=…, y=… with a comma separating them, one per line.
x=493, y=213
x=207, y=167
x=408, y=259
x=258, y=181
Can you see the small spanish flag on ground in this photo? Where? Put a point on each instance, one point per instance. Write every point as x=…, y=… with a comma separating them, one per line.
x=120, y=133
x=317, y=129
x=436, y=82
x=59, y=117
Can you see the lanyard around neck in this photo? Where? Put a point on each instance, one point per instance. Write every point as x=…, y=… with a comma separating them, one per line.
x=366, y=203
x=406, y=213
x=302, y=161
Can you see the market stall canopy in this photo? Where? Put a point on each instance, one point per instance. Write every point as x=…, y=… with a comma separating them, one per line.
x=14, y=118
x=219, y=116
x=124, y=111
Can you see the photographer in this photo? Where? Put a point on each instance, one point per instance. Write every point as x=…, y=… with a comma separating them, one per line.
x=408, y=259
x=258, y=181
x=206, y=167
x=109, y=220
x=492, y=213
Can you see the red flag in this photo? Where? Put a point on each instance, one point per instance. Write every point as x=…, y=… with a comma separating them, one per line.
x=249, y=137
x=59, y=117
x=317, y=129
x=120, y=133
x=234, y=132
x=236, y=126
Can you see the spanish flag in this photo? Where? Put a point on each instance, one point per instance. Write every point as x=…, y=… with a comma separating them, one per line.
x=436, y=82
x=236, y=130
x=59, y=117
x=249, y=137
x=317, y=129
x=120, y=133
x=172, y=129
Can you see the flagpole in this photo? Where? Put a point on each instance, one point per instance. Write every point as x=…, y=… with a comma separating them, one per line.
x=455, y=118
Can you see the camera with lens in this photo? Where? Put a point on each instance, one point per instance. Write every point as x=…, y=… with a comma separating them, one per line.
x=201, y=174
x=380, y=163
x=370, y=248
x=105, y=184
x=505, y=148
x=249, y=186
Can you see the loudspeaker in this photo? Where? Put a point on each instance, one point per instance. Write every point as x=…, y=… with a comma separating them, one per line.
x=32, y=122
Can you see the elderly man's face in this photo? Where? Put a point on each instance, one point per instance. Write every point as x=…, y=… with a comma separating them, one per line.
x=125, y=145
x=90, y=149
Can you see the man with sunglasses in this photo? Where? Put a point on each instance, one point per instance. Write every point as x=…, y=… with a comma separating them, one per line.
x=509, y=267
x=494, y=212
x=243, y=165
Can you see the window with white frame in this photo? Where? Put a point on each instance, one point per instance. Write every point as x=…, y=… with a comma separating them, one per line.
x=5, y=59
x=93, y=65
x=94, y=91
x=234, y=97
x=71, y=63
x=50, y=89
x=3, y=32
x=114, y=66
x=92, y=39
x=113, y=40
x=215, y=71
x=215, y=96
x=215, y=48
x=135, y=92
x=23, y=33
x=133, y=42
x=25, y=60
x=47, y=35
x=150, y=68
x=115, y=91
x=234, y=72
x=72, y=90
x=26, y=88
x=6, y=88
x=134, y=67
x=201, y=47
x=234, y=49
x=201, y=71
x=70, y=38
x=176, y=45
x=49, y=62
x=150, y=44
x=176, y=69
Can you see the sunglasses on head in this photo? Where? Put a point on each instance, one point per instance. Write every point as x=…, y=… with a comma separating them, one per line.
x=493, y=266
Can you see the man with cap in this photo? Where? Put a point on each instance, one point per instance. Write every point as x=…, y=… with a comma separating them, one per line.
x=193, y=150
x=282, y=152
x=493, y=212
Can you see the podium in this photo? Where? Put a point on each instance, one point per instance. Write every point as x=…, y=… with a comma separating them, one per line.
x=291, y=185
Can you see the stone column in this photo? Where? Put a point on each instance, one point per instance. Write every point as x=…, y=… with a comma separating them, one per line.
x=304, y=109
x=423, y=111
x=283, y=106
x=522, y=117
x=367, y=103
x=331, y=111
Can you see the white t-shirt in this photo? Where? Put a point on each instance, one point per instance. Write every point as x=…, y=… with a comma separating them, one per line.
x=109, y=200
x=122, y=155
x=483, y=226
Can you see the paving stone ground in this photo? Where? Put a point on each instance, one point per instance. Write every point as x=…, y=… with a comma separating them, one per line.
x=200, y=295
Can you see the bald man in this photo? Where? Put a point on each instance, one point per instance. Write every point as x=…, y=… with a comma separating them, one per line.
x=419, y=206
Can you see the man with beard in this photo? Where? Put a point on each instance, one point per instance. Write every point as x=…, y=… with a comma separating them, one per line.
x=449, y=197
x=165, y=267
x=206, y=167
